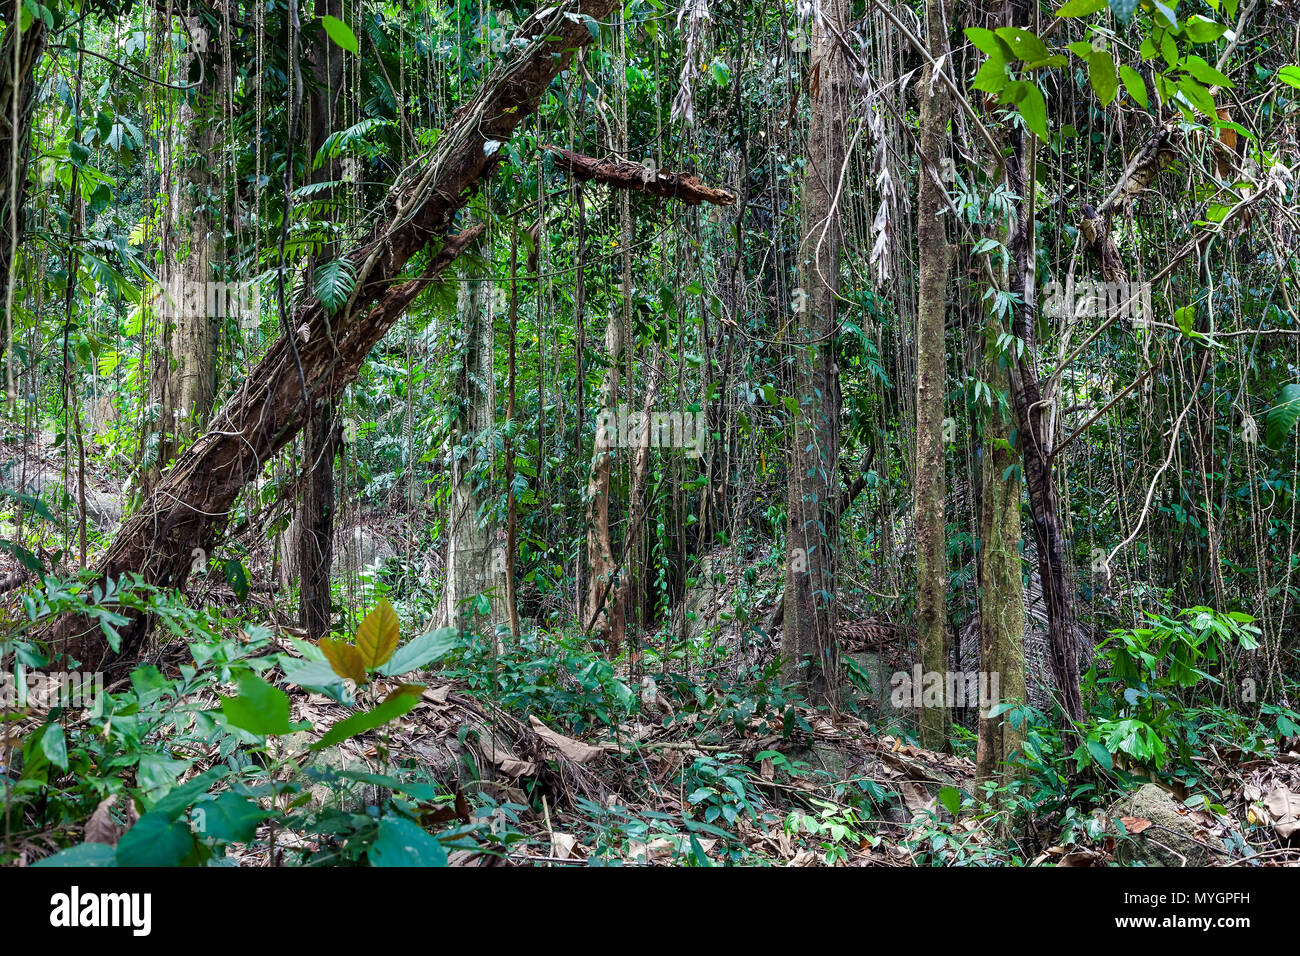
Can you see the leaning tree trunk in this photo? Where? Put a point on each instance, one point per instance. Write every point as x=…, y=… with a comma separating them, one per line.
x=315, y=524
x=325, y=351
x=20, y=52
x=934, y=253
x=812, y=523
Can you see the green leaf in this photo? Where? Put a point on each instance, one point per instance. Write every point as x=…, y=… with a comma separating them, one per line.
x=399, y=702
x=340, y=33
x=1029, y=100
x=1024, y=45
x=333, y=283
x=992, y=76
x=1101, y=755
x=1197, y=66
x=377, y=636
x=402, y=843
x=260, y=708
x=155, y=840
x=1135, y=85
x=1102, y=76
x=237, y=578
x=950, y=797
x=230, y=818
x=987, y=42
x=1198, y=96
x=55, y=746
x=84, y=854
x=721, y=73
x=1281, y=418
x=1200, y=30
x=421, y=651
x=1290, y=75
x=1080, y=8
x=1123, y=9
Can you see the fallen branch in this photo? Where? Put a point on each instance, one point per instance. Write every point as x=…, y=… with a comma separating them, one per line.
x=638, y=178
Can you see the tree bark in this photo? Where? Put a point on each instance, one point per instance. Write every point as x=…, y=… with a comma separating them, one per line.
x=20, y=53
x=475, y=559
x=808, y=641
x=1034, y=424
x=637, y=178
x=1001, y=590
x=315, y=523
x=193, y=501
x=183, y=368
x=929, y=492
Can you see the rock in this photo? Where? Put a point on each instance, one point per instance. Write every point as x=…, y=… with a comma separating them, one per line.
x=1171, y=841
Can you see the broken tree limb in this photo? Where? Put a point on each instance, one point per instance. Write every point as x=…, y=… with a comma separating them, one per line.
x=187, y=513
x=637, y=178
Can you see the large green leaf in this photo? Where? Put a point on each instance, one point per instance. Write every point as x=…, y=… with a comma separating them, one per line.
x=230, y=818
x=260, y=708
x=421, y=651
x=84, y=854
x=340, y=33
x=1281, y=418
x=1123, y=9
x=403, y=843
x=155, y=840
x=393, y=706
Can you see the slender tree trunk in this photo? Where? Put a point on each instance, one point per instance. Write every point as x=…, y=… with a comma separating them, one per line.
x=20, y=53
x=183, y=368
x=812, y=529
x=475, y=559
x=1001, y=590
x=935, y=260
x=315, y=522
x=1034, y=425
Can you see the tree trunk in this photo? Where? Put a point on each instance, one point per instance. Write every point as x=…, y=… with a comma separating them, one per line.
x=183, y=371
x=935, y=259
x=1001, y=590
x=315, y=523
x=325, y=351
x=20, y=53
x=812, y=524
x=475, y=559
x=1034, y=424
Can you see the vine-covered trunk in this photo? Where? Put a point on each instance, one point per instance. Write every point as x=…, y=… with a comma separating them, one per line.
x=187, y=304
x=812, y=522
x=935, y=259
x=20, y=53
x=315, y=525
x=1034, y=425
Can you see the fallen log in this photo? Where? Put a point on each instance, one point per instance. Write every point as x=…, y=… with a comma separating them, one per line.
x=188, y=510
x=639, y=179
